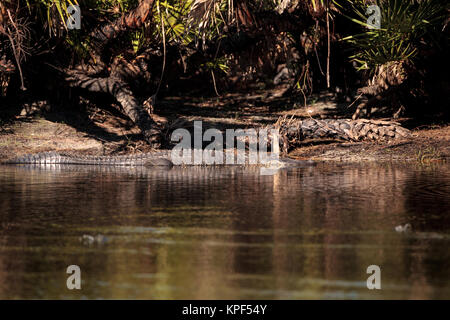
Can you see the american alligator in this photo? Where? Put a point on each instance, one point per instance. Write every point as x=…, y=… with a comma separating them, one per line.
x=290, y=130
x=153, y=159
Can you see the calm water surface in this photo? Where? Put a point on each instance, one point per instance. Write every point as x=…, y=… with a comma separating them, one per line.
x=225, y=233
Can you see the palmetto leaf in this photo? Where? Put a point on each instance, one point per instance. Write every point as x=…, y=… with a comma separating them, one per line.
x=403, y=23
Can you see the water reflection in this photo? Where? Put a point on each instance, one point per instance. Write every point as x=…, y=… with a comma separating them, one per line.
x=225, y=233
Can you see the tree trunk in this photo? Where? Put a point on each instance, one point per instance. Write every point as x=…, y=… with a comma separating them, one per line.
x=88, y=78
x=134, y=19
x=120, y=91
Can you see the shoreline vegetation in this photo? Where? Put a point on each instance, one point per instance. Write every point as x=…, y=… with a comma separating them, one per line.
x=117, y=77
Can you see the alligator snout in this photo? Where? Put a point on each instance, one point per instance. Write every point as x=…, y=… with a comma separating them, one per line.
x=159, y=162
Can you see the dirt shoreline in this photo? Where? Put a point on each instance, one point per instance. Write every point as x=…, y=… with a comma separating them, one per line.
x=99, y=132
x=38, y=135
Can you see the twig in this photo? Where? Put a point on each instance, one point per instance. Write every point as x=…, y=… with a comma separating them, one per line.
x=16, y=56
x=360, y=95
x=329, y=50
x=164, y=47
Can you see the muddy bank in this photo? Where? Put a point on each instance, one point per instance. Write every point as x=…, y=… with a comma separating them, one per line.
x=425, y=145
x=37, y=135
x=100, y=132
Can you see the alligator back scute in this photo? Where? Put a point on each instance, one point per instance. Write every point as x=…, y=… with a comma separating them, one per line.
x=154, y=158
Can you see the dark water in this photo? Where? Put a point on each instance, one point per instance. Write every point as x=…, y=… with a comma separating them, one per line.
x=225, y=233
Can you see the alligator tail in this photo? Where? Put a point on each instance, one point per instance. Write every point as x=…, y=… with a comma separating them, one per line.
x=65, y=158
